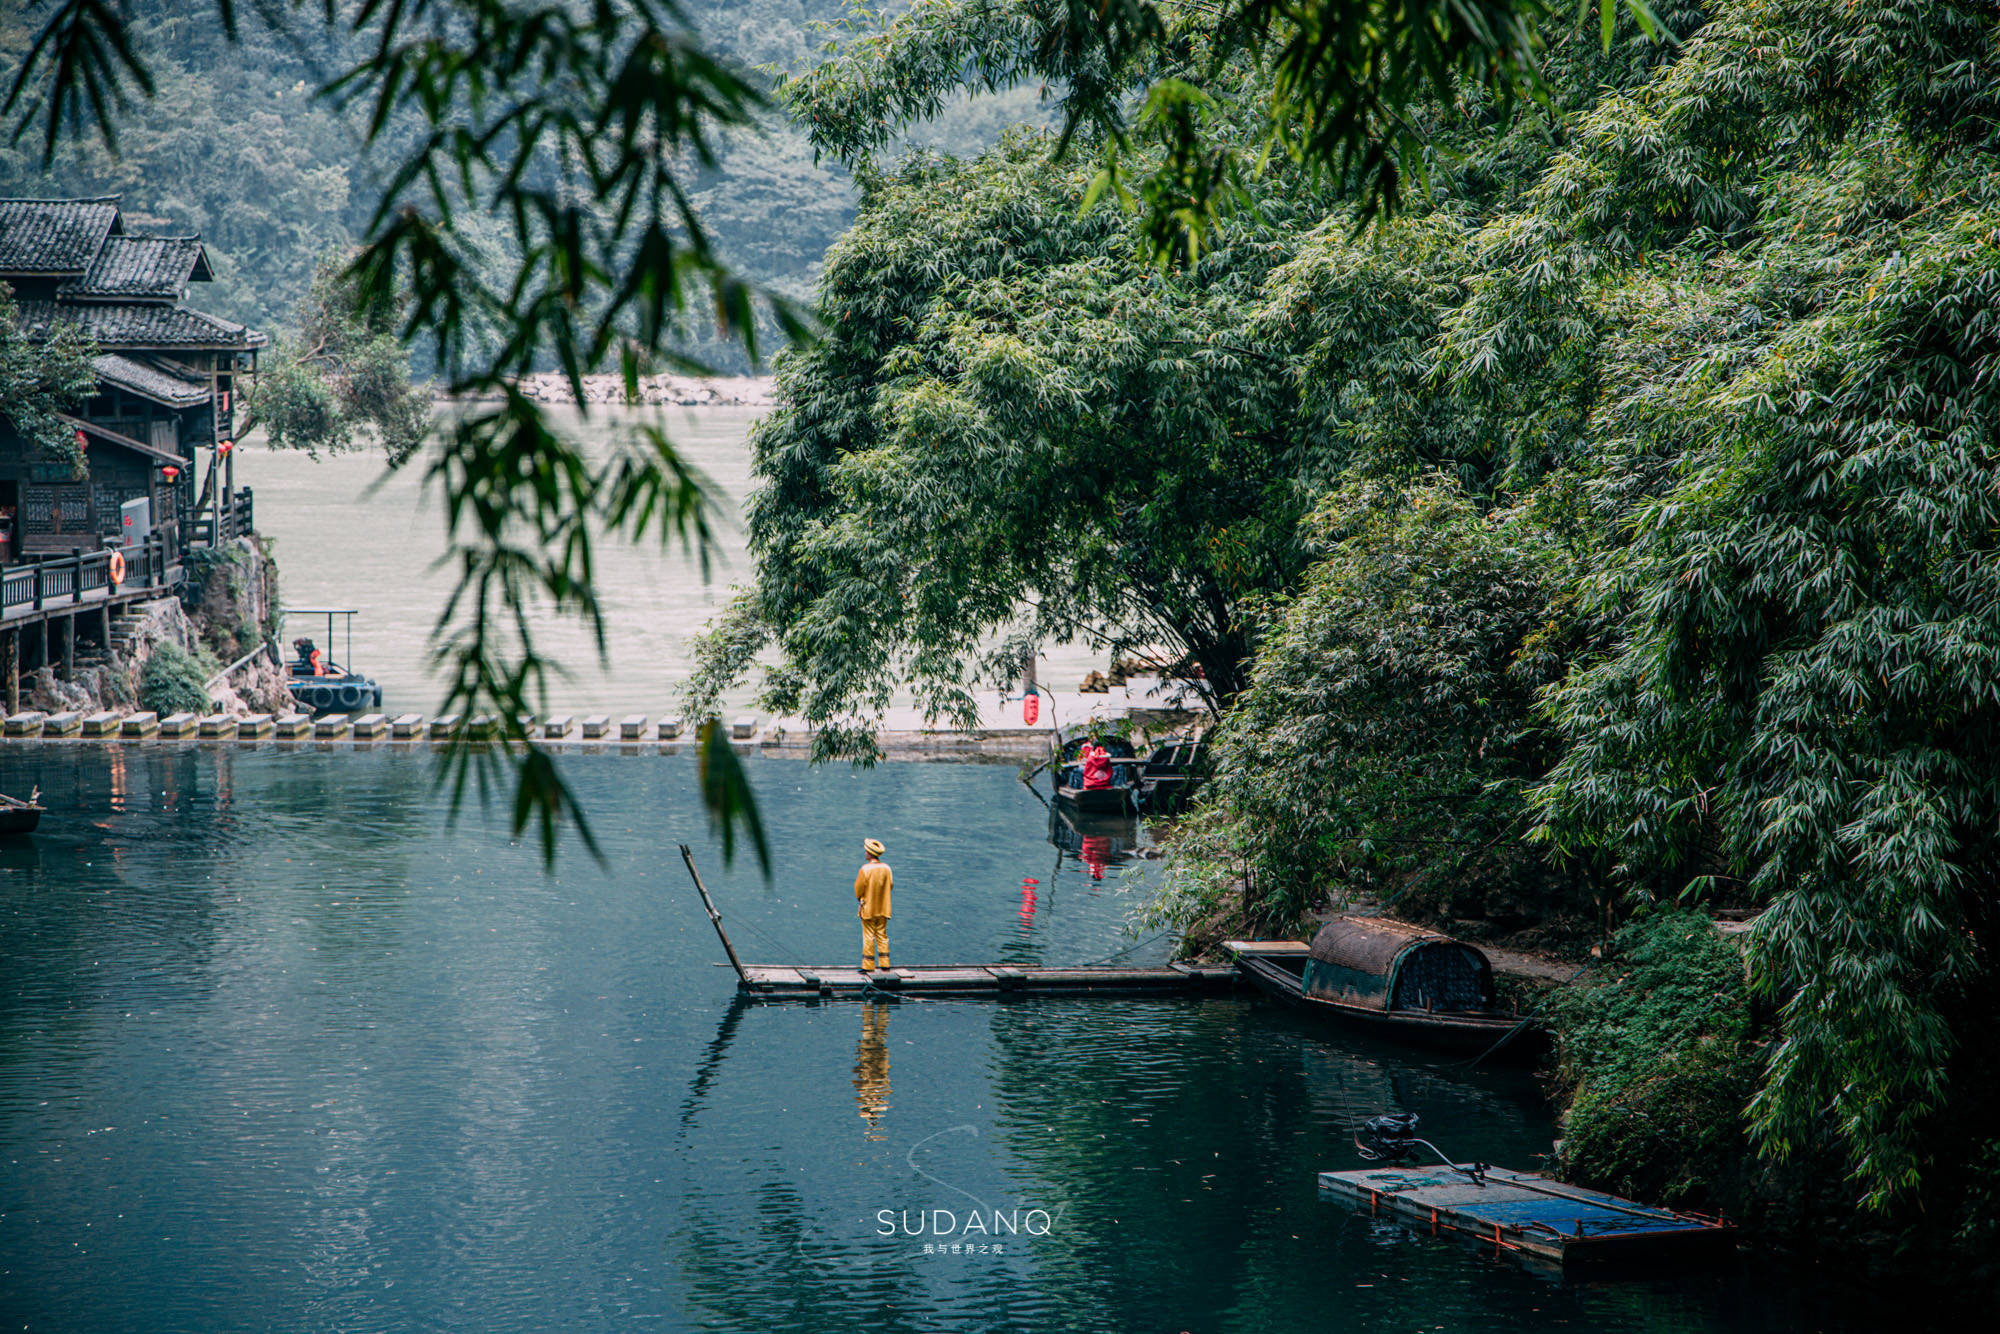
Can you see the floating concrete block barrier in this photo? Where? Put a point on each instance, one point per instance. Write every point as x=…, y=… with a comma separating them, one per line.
x=743, y=728
x=558, y=727
x=669, y=729
x=103, y=724
x=178, y=724
x=217, y=724
x=139, y=725
x=596, y=725
x=254, y=725
x=445, y=727
x=63, y=724
x=632, y=727
x=404, y=726
x=26, y=724
x=371, y=725
x=332, y=726
x=292, y=724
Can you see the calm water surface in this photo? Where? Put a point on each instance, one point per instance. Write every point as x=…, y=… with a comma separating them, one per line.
x=348, y=533
x=279, y=1050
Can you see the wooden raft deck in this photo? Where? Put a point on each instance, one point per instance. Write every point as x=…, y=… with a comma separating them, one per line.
x=810, y=982
x=1540, y=1218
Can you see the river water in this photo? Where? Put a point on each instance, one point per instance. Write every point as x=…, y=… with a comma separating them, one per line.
x=281, y=1048
x=350, y=534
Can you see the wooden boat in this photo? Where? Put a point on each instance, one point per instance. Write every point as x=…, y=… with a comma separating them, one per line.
x=1128, y=773
x=1392, y=979
x=19, y=817
x=1173, y=771
x=1121, y=798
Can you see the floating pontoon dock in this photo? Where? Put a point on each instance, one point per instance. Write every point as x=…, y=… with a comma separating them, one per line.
x=812, y=981
x=807, y=982
x=1540, y=1218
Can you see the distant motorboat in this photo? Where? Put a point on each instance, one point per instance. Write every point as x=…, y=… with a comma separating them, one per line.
x=317, y=684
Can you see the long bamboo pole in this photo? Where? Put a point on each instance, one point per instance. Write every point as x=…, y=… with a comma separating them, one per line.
x=714, y=917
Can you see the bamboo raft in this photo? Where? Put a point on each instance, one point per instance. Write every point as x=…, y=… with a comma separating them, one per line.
x=817, y=981
x=1533, y=1216
x=813, y=982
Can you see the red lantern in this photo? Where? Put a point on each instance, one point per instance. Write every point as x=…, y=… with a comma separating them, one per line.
x=170, y=472
x=1031, y=708
x=82, y=440
x=225, y=447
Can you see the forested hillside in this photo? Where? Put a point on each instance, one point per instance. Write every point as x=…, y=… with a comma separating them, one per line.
x=237, y=144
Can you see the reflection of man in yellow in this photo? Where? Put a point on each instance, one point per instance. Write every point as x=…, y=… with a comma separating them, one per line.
x=871, y=895
x=871, y=1065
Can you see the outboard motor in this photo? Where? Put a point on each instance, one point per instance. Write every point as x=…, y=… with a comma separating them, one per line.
x=1392, y=1138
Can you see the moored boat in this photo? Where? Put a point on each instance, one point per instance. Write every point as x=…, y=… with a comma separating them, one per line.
x=1125, y=793
x=1390, y=978
x=1173, y=770
x=20, y=817
x=317, y=684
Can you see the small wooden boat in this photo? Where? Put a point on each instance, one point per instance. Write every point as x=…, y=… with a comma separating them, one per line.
x=20, y=817
x=1128, y=773
x=1392, y=979
x=1173, y=771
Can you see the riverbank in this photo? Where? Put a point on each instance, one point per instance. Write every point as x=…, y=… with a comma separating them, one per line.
x=729, y=391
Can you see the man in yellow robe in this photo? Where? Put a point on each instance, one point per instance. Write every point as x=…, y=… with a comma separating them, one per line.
x=871, y=895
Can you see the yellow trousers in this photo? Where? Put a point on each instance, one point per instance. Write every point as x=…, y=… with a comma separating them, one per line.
x=874, y=943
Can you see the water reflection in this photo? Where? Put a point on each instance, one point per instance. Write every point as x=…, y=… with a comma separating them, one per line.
x=871, y=1067
x=1095, y=843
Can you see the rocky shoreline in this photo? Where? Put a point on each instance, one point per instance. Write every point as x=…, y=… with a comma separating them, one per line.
x=730, y=391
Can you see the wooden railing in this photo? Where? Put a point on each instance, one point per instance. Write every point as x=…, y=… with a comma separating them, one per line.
x=237, y=519
x=59, y=581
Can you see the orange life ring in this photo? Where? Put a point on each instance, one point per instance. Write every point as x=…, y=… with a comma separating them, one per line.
x=117, y=568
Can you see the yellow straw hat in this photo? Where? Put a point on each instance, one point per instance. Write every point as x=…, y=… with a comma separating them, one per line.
x=873, y=847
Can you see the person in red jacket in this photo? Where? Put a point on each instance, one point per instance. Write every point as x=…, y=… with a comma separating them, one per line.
x=1096, y=767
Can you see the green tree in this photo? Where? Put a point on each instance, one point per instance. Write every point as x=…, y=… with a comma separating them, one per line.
x=42, y=379
x=1185, y=103
x=1014, y=429
x=1387, y=740
x=344, y=371
x=175, y=680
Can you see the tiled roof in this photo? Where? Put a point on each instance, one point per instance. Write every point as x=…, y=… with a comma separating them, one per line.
x=150, y=382
x=54, y=236
x=142, y=266
x=132, y=325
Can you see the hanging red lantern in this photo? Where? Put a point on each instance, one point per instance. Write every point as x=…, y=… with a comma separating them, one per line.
x=170, y=472
x=225, y=447
x=1031, y=708
x=82, y=440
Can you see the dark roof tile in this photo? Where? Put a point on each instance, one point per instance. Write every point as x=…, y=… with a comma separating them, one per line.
x=142, y=266
x=150, y=381
x=116, y=325
x=53, y=236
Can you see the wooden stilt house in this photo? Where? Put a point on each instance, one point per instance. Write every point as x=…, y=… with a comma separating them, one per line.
x=161, y=426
